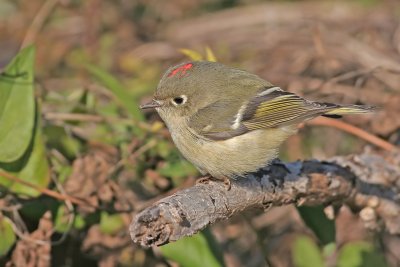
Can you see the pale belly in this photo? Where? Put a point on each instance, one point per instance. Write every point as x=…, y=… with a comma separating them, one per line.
x=233, y=157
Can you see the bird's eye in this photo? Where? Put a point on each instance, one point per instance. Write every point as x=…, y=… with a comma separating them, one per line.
x=179, y=100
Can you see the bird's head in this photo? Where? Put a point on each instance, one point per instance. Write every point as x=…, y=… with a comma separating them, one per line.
x=188, y=87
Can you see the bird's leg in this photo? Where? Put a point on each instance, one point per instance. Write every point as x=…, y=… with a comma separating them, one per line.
x=206, y=179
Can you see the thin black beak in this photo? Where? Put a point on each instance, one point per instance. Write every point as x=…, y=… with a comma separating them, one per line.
x=152, y=104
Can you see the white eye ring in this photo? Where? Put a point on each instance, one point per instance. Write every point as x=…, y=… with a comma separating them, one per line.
x=179, y=100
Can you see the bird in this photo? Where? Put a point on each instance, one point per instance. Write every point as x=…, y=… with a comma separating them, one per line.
x=229, y=122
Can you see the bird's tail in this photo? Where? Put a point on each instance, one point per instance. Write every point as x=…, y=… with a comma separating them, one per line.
x=350, y=109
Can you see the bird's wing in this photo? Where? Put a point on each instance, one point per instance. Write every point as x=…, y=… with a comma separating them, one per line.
x=215, y=120
x=272, y=108
x=280, y=108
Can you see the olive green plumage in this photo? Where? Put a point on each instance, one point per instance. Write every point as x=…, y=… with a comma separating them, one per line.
x=229, y=122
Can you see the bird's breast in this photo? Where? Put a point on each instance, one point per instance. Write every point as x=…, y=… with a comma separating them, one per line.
x=226, y=158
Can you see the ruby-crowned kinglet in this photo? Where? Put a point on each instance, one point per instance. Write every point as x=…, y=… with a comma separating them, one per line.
x=229, y=122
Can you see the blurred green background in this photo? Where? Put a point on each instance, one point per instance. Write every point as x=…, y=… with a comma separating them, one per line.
x=70, y=124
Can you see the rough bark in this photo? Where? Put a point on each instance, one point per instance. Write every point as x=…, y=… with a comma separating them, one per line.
x=367, y=183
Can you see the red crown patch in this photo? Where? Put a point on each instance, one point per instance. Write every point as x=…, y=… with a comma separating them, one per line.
x=181, y=70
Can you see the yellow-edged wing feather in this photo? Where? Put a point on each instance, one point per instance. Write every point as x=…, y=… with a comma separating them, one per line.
x=282, y=108
x=274, y=108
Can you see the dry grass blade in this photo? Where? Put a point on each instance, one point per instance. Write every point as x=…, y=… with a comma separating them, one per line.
x=38, y=22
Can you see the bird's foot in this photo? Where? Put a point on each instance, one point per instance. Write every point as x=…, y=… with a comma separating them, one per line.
x=206, y=179
x=227, y=183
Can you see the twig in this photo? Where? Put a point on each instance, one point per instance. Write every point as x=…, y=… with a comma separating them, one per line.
x=56, y=195
x=38, y=22
x=149, y=145
x=350, y=75
x=73, y=117
x=342, y=181
x=45, y=191
x=56, y=116
x=11, y=208
x=322, y=121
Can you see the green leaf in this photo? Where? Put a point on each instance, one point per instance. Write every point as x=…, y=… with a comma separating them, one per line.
x=360, y=254
x=22, y=153
x=34, y=209
x=57, y=137
x=214, y=245
x=61, y=222
x=7, y=234
x=32, y=167
x=306, y=253
x=17, y=106
x=328, y=250
x=117, y=89
x=110, y=224
x=192, y=251
x=316, y=220
x=177, y=170
x=164, y=148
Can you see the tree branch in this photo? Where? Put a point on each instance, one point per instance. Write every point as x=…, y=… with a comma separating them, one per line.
x=368, y=183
